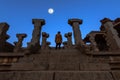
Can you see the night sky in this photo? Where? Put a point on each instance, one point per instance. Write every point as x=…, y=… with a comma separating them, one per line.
x=19, y=14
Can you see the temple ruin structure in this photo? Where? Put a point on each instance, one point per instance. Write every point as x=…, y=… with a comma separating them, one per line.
x=96, y=57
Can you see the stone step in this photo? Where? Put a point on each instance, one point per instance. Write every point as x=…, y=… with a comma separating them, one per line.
x=61, y=66
x=11, y=54
x=56, y=75
x=61, y=52
x=5, y=64
x=115, y=62
x=105, y=53
x=115, y=67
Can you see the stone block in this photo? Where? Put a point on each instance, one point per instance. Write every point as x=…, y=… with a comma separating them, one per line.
x=26, y=75
x=64, y=58
x=94, y=67
x=116, y=75
x=83, y=75
x=7, y=75
x=64, y=67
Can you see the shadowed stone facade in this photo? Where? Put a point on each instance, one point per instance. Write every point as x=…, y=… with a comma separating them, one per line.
x=96, y=57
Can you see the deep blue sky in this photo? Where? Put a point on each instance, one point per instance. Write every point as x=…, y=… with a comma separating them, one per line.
x=19, y=14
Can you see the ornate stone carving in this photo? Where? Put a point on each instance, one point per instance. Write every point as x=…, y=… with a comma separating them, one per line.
x=45, y=44
x=18, y=44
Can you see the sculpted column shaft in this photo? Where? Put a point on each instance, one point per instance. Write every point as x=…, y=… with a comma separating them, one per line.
x=69, y=38
x=35, y=41
x=44, y=40
x=77, y=34
x=18, y=44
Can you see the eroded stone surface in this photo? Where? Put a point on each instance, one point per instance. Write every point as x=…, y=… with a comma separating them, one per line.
x=18, y=45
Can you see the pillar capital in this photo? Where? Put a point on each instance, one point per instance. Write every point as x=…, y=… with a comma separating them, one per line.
x=38, y=22
x=74, y=20
x=21, y=35
x=103, y=21
x=69, y=34
x=44, y=34
x=77, y=33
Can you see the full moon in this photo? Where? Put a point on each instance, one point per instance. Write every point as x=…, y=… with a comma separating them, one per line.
x=50, y=10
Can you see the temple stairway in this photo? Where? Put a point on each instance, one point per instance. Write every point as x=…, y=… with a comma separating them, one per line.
x=63, y=64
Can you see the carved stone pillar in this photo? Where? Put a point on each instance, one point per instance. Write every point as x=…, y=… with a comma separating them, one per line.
x=112, y=37
x=77, y=34
x=34, y=45
x=65, y=44
x=3, y=35
x=45, y=44
x=93, y=43
x=18, y=44
x=69, y=39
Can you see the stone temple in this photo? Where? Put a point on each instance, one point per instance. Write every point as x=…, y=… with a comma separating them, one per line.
x=96, y=57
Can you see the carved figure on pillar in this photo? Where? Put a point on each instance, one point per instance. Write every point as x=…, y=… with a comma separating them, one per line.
x=34, y=45
x=77, y=34
x=69, y=39
x=45, y=44
x=18, y=45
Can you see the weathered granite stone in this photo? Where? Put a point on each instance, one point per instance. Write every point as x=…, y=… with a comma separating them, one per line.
x=34, y=45
x=69, y=39
x=45, y=44
x=4, y=45
x=93, y=43
x=77, y=34
x=94, y=67
x=64, y=64
x=113, y=41
x=26, y=75
x=65, y=44
x=18, y=45
x=99, y=75
x=116, y=75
